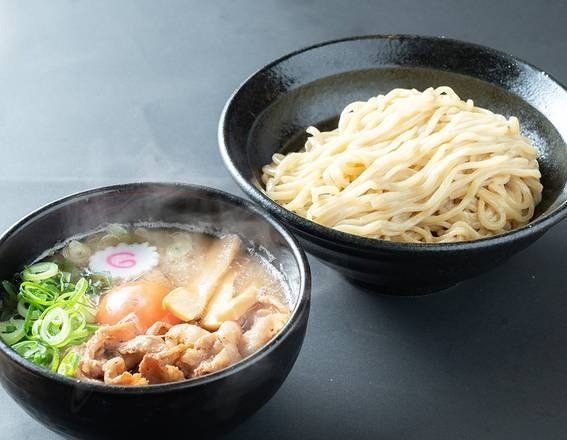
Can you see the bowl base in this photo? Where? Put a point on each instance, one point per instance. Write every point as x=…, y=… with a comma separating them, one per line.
x=396, y=290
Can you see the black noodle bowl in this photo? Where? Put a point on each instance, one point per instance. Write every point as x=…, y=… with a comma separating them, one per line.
x=211, y=404
x=272, y=108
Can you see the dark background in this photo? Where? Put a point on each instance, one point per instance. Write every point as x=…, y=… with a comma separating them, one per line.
x=93, y=93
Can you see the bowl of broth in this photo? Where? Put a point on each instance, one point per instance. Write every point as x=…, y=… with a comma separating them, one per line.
x=406, y=163
x=139, y=309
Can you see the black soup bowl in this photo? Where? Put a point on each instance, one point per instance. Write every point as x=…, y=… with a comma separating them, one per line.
x=208, y=405
x=270, y=111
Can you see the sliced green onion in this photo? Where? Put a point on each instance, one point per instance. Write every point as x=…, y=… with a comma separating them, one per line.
x=79, y=336
x=38, y=353
x=116, y=229
x=50, y=311
x=35, y=329
x=55, y=327
x=10, y=289
x=40, y=294
x=55, y=356
x=77, y=252
x=67, y=267
x=31, y=350
x=64, y=280
x=29, y=316
x=78, y=326
x=110, y=240
x=92, y=327
x=40, y=271
x=78, y=320
x=22, y=309
x=69, y=364
x=12, y=331
x=80, y=289
x=88, y=310
x=100, y=280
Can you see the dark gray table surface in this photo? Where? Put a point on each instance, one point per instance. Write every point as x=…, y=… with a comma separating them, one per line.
x=93, y=93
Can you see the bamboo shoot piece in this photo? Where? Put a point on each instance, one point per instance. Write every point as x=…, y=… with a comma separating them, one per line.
x=239, y=305
x=219, y=301
x=189, y=303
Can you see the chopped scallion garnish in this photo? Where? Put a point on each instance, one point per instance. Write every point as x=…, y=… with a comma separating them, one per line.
x=49, y=311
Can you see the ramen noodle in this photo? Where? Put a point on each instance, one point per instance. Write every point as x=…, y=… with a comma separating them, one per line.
x=412, y=166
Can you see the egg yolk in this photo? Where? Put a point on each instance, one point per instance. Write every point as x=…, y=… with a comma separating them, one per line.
x=140, y=299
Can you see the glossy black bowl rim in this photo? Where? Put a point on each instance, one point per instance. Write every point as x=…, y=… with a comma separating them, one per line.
x=343, y=239
x=302, y=303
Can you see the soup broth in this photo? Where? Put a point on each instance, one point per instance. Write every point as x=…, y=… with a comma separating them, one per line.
x=143, y=305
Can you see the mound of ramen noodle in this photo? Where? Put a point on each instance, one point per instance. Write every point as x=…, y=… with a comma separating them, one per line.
x=412, y=166
x=143, y=306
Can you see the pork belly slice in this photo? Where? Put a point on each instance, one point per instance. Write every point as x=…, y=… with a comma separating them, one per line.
x=229, y=336
x=113, y=368
x=158, y=328
x=184, y=334
x=263, y=329
x=102, y=346
x=135, y=349
x=155, y=370
x=129, y=379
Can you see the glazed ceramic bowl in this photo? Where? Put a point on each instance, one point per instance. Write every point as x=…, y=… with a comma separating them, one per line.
x=205, y=406
x=269, y=112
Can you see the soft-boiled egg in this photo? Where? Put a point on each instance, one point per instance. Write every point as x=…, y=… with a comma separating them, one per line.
x=141, y=299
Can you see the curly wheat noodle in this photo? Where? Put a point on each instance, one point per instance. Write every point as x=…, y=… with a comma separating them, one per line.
x=412, y=166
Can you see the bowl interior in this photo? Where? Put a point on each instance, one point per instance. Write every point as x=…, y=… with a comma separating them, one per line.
x=311, y=87
x=203, y=209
